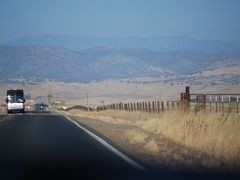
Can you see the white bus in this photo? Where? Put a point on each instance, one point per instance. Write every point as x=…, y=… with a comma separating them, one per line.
x=15, y=101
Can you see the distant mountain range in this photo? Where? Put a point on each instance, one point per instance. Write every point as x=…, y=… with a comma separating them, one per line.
x=158, y=44
x=43, y=63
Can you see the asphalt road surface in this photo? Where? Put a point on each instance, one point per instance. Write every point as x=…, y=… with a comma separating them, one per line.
x=52, y=147
x=44, y=146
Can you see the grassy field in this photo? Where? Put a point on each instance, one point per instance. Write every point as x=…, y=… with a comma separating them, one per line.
x=214, y=134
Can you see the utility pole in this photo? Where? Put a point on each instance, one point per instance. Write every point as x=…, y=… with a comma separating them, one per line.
x=49, y=100
x=87, y=98
x=87, y=101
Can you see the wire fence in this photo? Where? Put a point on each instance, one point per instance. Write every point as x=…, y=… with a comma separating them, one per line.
x=196, y=102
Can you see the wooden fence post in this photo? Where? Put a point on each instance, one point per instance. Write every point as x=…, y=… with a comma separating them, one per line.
x=149, y=106
x=153, y=107
x=210, y=103
x=222, y=104
x=188, y=97
x=204, y=101
x=146, y=107
x=237, y=108
x=125, y=106
x=185, y=99
x=162, y=104
x=158, y=106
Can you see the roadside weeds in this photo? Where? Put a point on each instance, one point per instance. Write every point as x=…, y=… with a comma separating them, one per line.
x=141, y=135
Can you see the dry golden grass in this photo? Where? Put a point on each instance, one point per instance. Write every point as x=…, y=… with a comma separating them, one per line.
x=136, y=136
x=116, y=117
x=151, y=147
x=216, y=134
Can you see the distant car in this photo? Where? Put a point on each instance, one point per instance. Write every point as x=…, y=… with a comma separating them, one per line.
x=40, y=107
x=15, y=101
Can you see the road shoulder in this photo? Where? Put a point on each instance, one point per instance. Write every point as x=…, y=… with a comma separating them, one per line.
x=157, y=152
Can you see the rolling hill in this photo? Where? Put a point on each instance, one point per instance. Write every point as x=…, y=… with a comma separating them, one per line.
x=44, y=63
x=158, y=44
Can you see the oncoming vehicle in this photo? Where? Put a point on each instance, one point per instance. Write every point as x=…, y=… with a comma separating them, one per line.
x=15, y=101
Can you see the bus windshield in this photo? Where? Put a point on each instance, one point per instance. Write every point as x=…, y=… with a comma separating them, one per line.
x=14, y=96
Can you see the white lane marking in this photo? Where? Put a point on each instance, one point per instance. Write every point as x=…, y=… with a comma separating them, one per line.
x=104, y=143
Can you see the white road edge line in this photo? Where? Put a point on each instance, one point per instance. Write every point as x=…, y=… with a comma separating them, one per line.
x=104, y=143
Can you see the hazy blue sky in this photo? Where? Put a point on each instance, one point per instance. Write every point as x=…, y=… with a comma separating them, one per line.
x=200, y=19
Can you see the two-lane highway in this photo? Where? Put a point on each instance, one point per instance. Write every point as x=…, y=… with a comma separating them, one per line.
x=51, y=146
x=44, y=146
